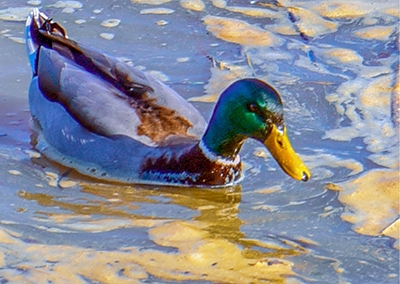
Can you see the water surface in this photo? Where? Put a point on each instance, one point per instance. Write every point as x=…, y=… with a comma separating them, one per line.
x=335, y=63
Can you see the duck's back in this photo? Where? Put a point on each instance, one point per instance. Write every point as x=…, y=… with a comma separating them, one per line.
x=103, y=94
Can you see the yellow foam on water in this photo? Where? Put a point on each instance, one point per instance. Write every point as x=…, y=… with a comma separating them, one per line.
x=67, y=4
x=111, y=23
x=393, y=11
x=376, y=32
x=366, y=102
x=311, y=24
x=151, y=2
x=219, y=3
x=157, y=11
x=345, y=9
x=195, y=5
x=378, y=93
x=342, y=55
x=319, y=164
x=17, y=14
x=372, y=202
x=254, y=12
x=393, y=231
x=285, y=27
x=241, y=32
x=221, y=77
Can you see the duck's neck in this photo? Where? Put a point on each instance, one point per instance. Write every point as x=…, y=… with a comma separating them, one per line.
x=221, y=140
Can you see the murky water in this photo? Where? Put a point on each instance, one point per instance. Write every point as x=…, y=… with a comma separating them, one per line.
x=335, y=64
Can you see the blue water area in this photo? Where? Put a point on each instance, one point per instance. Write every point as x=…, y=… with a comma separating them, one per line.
x=268, y=217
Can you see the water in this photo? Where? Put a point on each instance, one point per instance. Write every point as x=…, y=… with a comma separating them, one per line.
x=335, y=66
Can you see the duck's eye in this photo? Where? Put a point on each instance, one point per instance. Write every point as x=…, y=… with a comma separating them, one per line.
x=253, y=107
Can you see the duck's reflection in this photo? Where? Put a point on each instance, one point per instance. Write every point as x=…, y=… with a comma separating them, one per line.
x=196, y=231
x=212, y=210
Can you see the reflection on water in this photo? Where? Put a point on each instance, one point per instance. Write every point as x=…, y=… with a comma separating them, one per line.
x=335, y=64
x=208, y=246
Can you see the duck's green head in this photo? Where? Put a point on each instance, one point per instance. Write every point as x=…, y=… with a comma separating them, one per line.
x=250, y=108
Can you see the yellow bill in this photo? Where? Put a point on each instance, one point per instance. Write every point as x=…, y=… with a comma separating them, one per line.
x=280, y=148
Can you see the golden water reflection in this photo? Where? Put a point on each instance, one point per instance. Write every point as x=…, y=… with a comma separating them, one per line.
x=209, y=246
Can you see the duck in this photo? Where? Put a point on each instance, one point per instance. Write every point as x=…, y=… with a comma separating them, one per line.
x=106, y=119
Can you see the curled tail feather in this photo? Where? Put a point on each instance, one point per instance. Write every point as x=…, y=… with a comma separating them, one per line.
x=38, y=26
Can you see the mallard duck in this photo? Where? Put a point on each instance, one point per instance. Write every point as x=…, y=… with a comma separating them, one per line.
x=96, y=114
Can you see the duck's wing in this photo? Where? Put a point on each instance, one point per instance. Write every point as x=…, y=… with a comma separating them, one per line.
x=106, y=95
